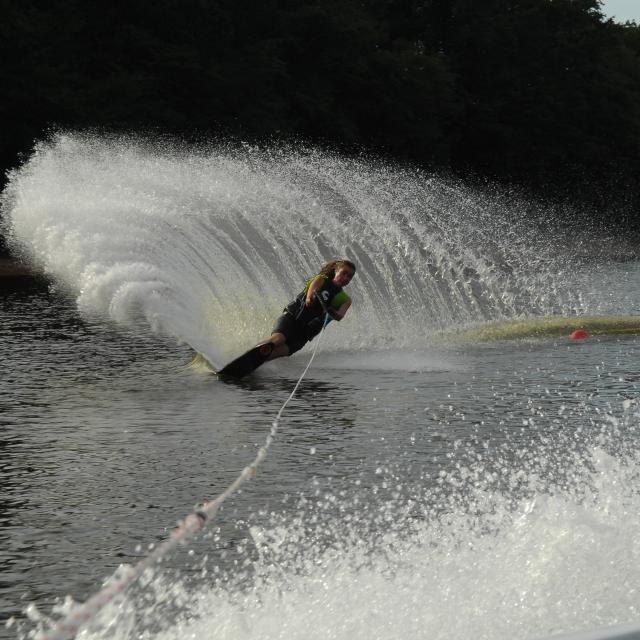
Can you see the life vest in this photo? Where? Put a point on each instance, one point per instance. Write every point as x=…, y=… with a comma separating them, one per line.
x=332, y=295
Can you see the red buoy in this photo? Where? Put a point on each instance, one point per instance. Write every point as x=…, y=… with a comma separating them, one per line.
x=579, y=334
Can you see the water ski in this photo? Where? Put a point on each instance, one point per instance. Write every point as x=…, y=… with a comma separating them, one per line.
x=247, y=362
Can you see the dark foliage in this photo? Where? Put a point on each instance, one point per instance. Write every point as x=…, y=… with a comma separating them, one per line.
x=544, y=94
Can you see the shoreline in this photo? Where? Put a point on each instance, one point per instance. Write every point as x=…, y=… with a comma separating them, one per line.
x=10, y=268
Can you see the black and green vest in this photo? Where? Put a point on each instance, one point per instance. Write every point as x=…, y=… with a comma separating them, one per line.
x=333, y=296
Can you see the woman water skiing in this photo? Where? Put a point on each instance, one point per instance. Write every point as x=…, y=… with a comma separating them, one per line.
x=322, y=300
x=303, y=319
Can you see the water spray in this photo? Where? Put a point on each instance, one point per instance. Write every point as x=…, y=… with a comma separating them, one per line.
x=67, y=628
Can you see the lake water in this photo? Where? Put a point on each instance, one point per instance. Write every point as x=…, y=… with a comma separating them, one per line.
x=419, y=485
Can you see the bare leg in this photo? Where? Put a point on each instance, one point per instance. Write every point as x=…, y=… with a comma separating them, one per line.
x=280, y=348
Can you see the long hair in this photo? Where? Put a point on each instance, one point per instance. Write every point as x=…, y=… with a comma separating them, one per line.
x=329, y=268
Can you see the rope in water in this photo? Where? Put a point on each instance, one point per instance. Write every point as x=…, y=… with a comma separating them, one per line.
x=81, y=614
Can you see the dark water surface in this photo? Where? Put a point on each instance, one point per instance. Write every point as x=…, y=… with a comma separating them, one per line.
x=482, y=490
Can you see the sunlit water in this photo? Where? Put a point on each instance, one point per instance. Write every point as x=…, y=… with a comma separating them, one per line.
x=416, y=489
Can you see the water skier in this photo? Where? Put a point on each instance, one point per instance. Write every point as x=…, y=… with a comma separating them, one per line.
x=302, y=319
x=323, y=299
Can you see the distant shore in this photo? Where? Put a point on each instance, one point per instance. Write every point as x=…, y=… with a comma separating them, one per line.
x=10, y=268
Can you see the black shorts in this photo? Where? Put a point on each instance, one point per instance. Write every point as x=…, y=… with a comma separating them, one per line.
x=296, y=333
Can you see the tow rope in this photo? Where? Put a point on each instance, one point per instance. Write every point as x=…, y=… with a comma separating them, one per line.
x=81, y=614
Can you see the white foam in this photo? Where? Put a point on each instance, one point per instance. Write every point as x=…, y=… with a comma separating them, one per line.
x=388, y=360
x=461, y=559
x=208, y=246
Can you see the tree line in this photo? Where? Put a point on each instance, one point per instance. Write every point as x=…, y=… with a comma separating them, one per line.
x=542, y=94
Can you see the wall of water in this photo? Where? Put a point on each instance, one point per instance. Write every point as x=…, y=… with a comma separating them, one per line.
x=207, y=245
